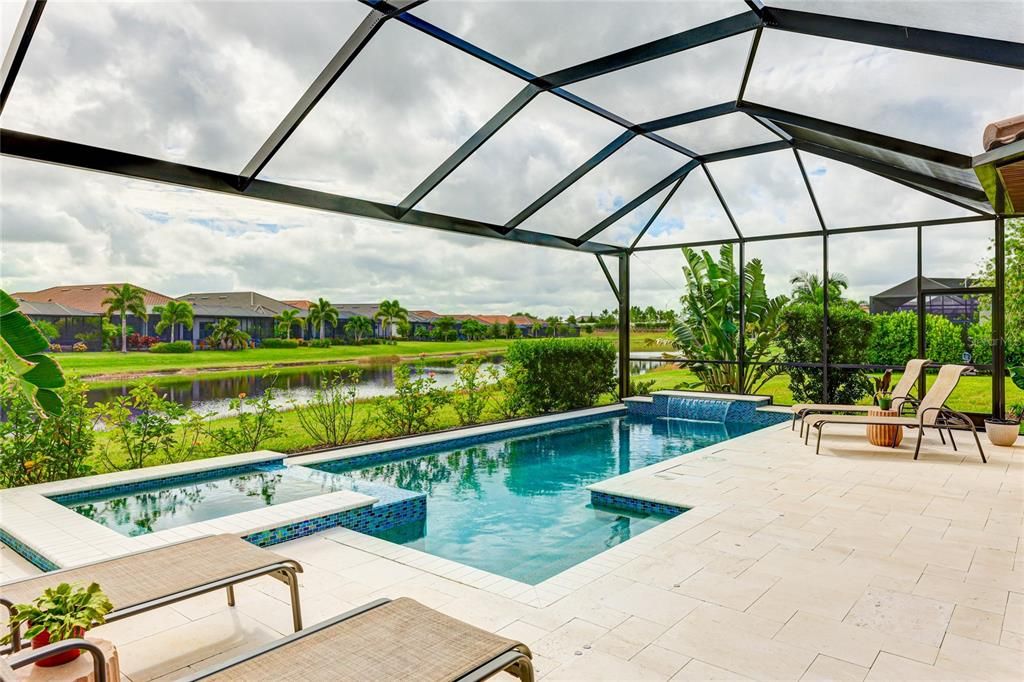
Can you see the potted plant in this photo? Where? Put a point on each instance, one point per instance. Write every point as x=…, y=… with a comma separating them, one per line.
x=1005, y=431
x=883, y=396
x=62, y=612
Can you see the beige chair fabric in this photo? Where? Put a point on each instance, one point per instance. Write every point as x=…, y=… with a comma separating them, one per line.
x=900, y=392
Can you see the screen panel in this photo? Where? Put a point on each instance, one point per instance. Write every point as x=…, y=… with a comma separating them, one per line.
x=730, y=131
x=546, y=36
x=766, y=194
x=401, y=108
x=694, y=214
x=199, y=83
x=620, y=179
x=534, y=151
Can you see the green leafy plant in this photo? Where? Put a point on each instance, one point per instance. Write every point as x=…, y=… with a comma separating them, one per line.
x=172, y=314
x=504, y=398
x=63, y=612
x=227, y=334
x=321, y=314
x=390, y=312
x=329, y=417
x=23, y=348
x=172, y=347
x=561, y=374
x=474, y=330
x=709, y=326
x=279, y=343
x=122, y=300
x=147, y=429
x=358, y=328
x=257, y=420
x=800, y=340
x=286, y=320
x=414, y=405
x=469, y=393
x=443, y=329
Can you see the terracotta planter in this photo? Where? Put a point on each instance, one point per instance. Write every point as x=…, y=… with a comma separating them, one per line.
x=1001, y=434
x=43, y=638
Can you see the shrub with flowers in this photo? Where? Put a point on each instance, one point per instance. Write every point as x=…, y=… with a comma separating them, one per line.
x=79, y=347
x=413, y=406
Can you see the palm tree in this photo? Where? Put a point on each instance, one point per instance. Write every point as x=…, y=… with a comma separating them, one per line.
x=391, y=312
x=288, y=318
x=473, y=330
x=358, y=327
x=227, y=333
x=321, y=314
x=444, y=328
x=174, y=313
x=122, y=300
x=807, y=287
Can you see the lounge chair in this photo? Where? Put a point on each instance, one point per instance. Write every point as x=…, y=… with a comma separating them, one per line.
x=147, y=580
x=383, y=640
x=900, y=395
x=931, y=413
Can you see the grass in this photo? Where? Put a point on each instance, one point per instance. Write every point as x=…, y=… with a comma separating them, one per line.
x=115, y=364
x=972, y=394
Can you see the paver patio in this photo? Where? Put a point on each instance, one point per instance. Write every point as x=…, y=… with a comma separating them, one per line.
x=857, y=564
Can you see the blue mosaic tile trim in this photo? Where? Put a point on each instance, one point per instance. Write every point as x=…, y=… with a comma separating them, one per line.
x=370, y=520
x=164, y=482
x=27, y=553
x=619, y=502
x=706, y=409
x=362, y=461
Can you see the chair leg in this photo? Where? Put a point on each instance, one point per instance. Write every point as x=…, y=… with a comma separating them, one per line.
x=792, y=425
x=293, y=589
x=231, y=595
x=978, y=441
x=942, y=437
x=917, y=448
x=817, y=448
x=951, y=441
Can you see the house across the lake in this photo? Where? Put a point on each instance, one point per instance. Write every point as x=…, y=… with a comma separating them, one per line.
x=254, y=311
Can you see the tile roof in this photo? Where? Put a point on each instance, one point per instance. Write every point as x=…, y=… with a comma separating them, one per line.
x=43, y=309
x=87, y=297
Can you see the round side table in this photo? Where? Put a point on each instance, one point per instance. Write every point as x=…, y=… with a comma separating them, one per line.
x=78, y=670
x=885, y=435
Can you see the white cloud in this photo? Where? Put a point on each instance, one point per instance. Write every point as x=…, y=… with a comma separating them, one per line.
x=205, y=83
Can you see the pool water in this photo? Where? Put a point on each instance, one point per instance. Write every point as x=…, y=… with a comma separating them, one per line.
x=146, y=511
x=516, y=506
x=519, y=507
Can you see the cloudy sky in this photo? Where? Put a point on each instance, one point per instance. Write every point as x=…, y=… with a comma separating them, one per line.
x=204, y=83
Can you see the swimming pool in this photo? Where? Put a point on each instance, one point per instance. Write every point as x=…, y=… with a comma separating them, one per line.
x=515, y=504
x=519, y=507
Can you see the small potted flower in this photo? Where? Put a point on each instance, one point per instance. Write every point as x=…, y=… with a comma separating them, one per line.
x=1005, y=431
x=883, y=396
x=62, y=612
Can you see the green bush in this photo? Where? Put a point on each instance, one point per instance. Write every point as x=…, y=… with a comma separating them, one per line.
x=172, y=347
x=944, y=341
x=979, y=336
x=894, y=340
x=562, y=374
x=279, y=343
x=318, y=343
x=849, y=331
x=414, y=405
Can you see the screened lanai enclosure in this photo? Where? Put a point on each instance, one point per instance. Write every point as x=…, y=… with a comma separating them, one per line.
x=619, y=130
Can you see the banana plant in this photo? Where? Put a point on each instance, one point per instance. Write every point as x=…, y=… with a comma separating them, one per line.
x=22, y=346
x=708, y=329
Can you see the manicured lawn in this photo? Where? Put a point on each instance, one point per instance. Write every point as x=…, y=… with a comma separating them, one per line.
x=139, y=362
x=95, y=364
x=972, y=394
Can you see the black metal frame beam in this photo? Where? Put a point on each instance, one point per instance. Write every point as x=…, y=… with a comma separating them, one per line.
x=60, y=152
x=360, y=37
x=657, y=212
x=724, y=203
x=925, y=41
x=14, y=57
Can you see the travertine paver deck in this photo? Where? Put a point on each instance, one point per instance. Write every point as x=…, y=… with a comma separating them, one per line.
x=857, y=564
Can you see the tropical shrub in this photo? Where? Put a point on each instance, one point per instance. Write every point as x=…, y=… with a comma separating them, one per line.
x=47, y=329
x=22, y=346
x=56, y=348
x=708, y=328
x=321, y=315
x=800, y=339
x=257, y=420
x=561, y=374
x=414, y=405
x=894, y=340
x=469, y=393
x=504, y=398
x=287, y=319
x=390, y=312
x=329, y=417
x=79, y=347
x=474, y=330
x=141, y=342
x=279, y=343
x=318, y=343
x=443, y=329
x=125, y=299
x=944, y=341
x=227, y=333
x=34, y=449
x=171, y=347
x=147, y=429
x=172, y=314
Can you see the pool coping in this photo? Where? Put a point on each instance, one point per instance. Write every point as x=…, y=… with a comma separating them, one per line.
x=73, y=539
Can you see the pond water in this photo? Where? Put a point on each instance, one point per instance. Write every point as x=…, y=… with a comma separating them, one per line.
x=212, y=392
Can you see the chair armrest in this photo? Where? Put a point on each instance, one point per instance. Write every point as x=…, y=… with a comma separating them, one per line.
x=29, y=656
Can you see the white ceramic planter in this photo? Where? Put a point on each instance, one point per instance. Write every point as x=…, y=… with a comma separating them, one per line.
x=1001, y=434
